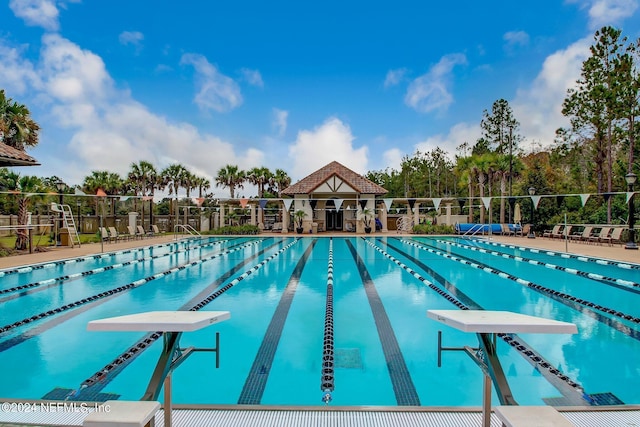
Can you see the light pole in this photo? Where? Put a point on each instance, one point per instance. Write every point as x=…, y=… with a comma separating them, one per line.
x=60, y=187
x=631, y=242
x=532, y=235
x=78, y=203
x=510, y=166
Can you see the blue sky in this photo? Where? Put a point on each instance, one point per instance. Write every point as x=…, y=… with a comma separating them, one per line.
x=286, y=84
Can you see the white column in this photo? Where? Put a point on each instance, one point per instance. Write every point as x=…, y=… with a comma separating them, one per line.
x=416, y=213
x=221, y=215
x=383, y=218
x=252, y=210
x=448, y=213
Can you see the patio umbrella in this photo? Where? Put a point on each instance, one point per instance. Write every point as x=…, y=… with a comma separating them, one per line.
x=517, y=215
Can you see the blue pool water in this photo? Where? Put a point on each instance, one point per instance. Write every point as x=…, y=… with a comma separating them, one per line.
x=283, y=326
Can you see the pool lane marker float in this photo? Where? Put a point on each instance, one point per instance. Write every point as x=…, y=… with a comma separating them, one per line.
x=592, y=276
x=102, y=376
x=45, y=265
x=512, y=339
x=623, y=265
x=96, y=270
x=555, y=294
x=327, y=383
x=119, y=289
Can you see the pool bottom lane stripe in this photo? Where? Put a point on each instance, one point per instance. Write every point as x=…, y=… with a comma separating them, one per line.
x=256, y=381
x=328, y=363
x=403, y=387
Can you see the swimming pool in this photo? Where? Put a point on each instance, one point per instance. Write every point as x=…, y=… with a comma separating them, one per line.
x=295, y=304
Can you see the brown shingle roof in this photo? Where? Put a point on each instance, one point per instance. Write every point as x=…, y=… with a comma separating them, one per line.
x=10, y=156
x=317, y=178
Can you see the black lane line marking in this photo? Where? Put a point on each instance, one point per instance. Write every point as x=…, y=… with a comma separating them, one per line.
x=327, y=377
x=94, y=384
x=259, y=374
x=403, y=387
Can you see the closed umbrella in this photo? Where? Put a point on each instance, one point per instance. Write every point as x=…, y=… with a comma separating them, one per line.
x=517, y=215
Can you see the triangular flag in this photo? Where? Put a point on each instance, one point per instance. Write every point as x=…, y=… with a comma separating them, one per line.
x=123, y=198
x=262, y=203
x=461, y=203
x=338, y=203
x=629, y=196
x=512, y=201
x=487, y=202
x=536, y=201
x=560, y=199
x=79, y=192
x=287, y=204
x=243, y=202
x=387, y=203
x=436, y=202
x=313, y=203
x=584, y=198
x=147, y=198
x=363, y=204
x=101, y=193
x=200, y=201
x=607, y=196
x=411, y=202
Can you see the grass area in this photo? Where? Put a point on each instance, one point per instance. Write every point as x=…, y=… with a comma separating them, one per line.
x=9, y=242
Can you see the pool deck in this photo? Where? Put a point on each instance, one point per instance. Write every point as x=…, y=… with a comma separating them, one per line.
x=615, y=252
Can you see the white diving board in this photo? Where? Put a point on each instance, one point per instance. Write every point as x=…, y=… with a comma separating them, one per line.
x=496, y=322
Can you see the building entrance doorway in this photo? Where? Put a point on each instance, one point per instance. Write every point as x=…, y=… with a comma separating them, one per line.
x=333, y=218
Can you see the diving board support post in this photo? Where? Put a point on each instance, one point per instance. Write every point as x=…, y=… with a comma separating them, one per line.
x=486, y=324
x=172, y=324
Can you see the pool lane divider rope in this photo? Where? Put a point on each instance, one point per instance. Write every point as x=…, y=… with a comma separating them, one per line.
x=94, y=384
x=578, y=304
x=327, y=384
x=115, y=291
x=45, y=265
x=403, y=387
x=623, y=265
x=563, y=383
x=256, y=381
x=593, y=276
x=48, y=283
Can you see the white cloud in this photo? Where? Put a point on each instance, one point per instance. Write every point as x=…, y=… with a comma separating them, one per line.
x=133, y=38
x=38, y=13
x=431, y=90
x=458, y=134
x=330, y=141
x=393, y=158
x=394, y=77
x=109, y=130
x=515, y=38
x=538, y=107
x=280, y=121
x=16, y=73
x=253, y=77
x=608, y=12
x=215, y=90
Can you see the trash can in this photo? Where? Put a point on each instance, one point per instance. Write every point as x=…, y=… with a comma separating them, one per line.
x=65, y=239
x=314, y=227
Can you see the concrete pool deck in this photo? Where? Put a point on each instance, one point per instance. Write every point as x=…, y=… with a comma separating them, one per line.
x=615, y=252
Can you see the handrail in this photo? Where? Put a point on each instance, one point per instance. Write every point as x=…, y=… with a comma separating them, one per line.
x=187, y=228
x=475, y=229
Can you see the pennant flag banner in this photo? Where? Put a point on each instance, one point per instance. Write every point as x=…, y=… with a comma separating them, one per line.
x=124, y=198
x=79, y=192
x=461, y=203
x=512, y=201
x=101, y=193
x=313, y=203
x=147, y=198
x=487, y=202
x=560, y=199
x=243, y=202
x=338, y=203
x=262, y=203
x=584, y=198
x=536, y=201
x=387, y=203
x=412, y=203
x=436, y=202
x=607, y=196
x=287, y=204
x=363, y=204
x=629, y=196
x=200, y=201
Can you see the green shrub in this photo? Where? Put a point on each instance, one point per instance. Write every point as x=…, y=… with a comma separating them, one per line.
x=236, y=229
x=433, y=229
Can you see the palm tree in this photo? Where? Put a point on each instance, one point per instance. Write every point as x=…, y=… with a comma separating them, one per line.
x=202, y=184
x=25, y=186
x=173, y=177
x=260, y=177
x=17, y=128
x=109, y=182
x=282, y=180
x=230, y=176
x=143, y=177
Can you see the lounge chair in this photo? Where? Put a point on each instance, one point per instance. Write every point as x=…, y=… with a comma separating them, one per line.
x=141, y=231
x=154, y=230
x=554, y=231
x=349, y=227
x=524, y=231
x=603, y=233
x=132, y=232
x=104, y=234
x=564, y=233
x=115, y=236
x=277, y=227
x=506, y=230
x=615, y=236
x=582, y=236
